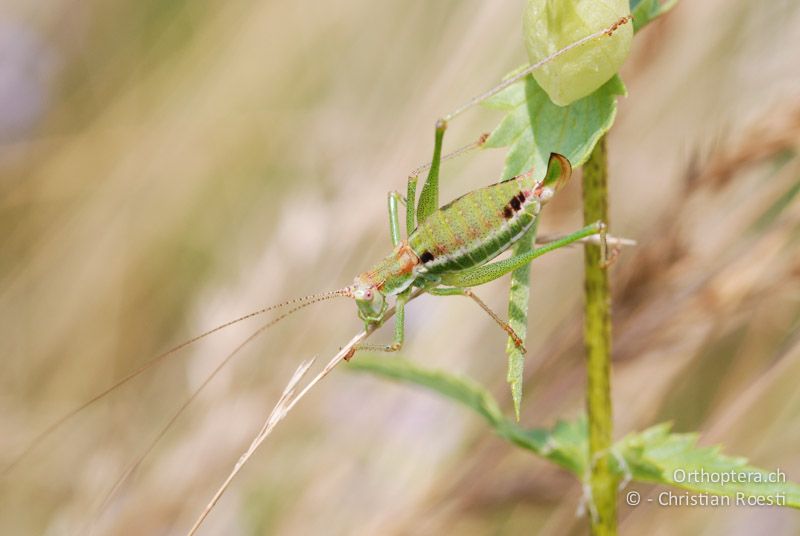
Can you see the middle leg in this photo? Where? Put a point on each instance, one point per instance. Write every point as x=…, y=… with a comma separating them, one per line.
x=458, y=291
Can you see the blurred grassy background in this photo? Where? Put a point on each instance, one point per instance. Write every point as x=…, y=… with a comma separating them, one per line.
x=168, y=165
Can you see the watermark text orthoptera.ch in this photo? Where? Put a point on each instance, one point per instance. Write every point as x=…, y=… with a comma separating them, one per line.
x=701, y=476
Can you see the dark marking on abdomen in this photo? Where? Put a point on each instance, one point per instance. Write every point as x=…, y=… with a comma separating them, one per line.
x=513, y=206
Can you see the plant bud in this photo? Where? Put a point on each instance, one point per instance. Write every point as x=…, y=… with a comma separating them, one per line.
x=550, y=25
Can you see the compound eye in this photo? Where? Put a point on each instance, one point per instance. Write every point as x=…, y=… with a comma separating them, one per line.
x=368, y=294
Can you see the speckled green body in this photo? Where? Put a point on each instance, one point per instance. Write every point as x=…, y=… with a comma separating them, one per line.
x=466, y=233
x=462, y=235
x=476, y=227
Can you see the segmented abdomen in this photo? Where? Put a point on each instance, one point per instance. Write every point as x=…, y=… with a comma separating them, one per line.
x=476, y=227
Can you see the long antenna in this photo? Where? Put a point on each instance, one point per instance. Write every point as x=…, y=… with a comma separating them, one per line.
x=305, y=300
x=345, y=292
x=529, y=69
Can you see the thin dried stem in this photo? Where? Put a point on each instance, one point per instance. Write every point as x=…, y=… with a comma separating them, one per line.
x=286, y=402
x=284, y=405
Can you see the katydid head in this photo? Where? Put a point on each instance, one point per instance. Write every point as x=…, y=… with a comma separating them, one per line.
x=370, y=300
x=388, y=277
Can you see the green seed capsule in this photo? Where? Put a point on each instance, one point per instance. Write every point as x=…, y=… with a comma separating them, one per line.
x=550, y=25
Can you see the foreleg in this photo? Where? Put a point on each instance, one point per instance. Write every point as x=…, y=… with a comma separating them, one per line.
x=399, y=327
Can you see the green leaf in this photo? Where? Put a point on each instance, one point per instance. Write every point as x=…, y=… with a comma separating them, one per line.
x=565, y=444
x=534, y=127
x=460, y=389
x=518, y=297
x=645, y=11
x=656, y=455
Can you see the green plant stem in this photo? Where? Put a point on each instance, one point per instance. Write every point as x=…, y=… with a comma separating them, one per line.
x=597, y=338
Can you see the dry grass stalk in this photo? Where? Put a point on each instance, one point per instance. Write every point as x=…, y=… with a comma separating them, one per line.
x=284, y=405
